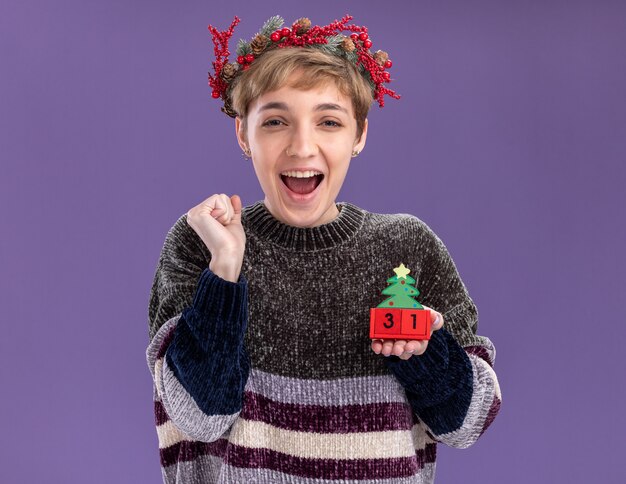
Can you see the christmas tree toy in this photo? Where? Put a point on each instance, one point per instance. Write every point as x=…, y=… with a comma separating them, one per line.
x=400, y=316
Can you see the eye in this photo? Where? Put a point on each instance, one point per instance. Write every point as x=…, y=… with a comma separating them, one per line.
x=330, y=123
x=273, y=122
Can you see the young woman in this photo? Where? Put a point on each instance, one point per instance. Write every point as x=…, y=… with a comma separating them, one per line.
x=259, y=316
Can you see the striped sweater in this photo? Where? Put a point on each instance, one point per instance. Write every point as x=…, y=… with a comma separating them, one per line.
x=271, y=379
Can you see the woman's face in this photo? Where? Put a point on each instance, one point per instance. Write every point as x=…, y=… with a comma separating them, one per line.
x=290, y=130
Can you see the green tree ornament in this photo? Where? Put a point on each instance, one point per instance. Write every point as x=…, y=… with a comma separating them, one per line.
x=401, y=289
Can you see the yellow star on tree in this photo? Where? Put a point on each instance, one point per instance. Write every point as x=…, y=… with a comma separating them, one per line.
x=401, y=271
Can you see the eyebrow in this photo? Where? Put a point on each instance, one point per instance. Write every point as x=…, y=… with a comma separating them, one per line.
x=319, y=107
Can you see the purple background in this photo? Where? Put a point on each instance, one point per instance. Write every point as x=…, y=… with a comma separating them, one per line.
x=508, y=141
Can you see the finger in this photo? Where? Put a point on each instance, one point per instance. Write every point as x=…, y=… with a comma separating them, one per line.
x=221, y=210
x=229, y=208
x=417, y=346
x=412, y=345
x=398, y=347
x=421, y=348
x=377, y=346
x=387, y=347
x=215, y=206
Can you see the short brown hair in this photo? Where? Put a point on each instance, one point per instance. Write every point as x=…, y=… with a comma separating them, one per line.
x=271, y=71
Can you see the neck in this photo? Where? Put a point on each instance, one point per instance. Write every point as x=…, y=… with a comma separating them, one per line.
x=343, y=227
x=304, y=220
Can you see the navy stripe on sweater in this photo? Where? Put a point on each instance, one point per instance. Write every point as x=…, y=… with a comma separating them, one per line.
x=207, y=354
x=438, y=383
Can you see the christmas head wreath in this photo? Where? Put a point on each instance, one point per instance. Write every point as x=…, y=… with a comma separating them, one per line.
x=329, y=38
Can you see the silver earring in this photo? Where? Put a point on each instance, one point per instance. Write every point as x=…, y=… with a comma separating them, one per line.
x=246, y=153
x=355, y=153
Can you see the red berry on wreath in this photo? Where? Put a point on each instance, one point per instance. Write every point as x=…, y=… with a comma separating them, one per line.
x=388, y=64
x=249, y=58
x=241, y=59
x=275, y=36
x=363, y=36
x=367, y=43
x=285, y=32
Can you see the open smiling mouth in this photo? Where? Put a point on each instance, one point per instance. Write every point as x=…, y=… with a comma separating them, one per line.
x=302, y=186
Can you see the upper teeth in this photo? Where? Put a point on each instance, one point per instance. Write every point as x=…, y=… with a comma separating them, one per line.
x=301, y=174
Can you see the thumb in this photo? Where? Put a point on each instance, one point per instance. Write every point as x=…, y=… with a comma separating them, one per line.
x=437, y=322
x=236, y=202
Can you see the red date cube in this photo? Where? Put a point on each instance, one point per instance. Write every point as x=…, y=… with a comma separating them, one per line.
x=386, y=321
x=416, y=323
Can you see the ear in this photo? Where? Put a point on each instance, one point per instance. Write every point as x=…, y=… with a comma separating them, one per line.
x=361, y=142
x=241, y=136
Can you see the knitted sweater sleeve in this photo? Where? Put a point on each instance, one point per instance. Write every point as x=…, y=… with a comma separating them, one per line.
x=452, y=386
x=196, y=355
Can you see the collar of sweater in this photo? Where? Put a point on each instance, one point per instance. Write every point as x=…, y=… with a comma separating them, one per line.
x=259, y=220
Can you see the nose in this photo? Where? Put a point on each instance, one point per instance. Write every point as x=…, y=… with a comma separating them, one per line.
x=302, y=143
